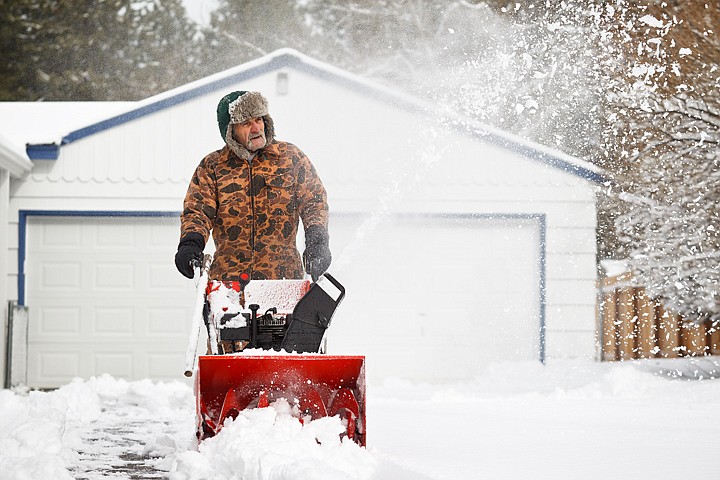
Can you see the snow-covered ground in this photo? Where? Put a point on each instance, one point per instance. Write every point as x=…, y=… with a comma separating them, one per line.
x=569, y=419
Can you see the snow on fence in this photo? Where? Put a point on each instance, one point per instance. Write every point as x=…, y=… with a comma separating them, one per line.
x=633, y=325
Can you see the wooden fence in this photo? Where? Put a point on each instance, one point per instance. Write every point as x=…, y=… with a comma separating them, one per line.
x=633, y=325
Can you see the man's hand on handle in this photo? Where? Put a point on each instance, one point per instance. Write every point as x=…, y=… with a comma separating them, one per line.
x=189, y=253
x=317, y=255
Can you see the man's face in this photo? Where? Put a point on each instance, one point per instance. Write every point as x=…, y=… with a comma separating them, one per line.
x=250, y=134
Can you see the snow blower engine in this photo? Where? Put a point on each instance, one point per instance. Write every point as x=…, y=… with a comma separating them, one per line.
x=289, y=315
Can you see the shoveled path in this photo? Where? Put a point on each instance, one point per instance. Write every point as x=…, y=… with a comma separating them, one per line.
x=122, y=444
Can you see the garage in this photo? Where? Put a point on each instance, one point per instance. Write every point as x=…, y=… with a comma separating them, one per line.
x=104, y=297
x=459, y=245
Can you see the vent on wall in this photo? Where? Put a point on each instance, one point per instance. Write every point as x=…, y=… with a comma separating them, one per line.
x=282, y=83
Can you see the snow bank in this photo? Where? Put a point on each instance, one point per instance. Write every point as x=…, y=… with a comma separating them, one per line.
x=38, y=438
x=40, y=432
x=270, y=444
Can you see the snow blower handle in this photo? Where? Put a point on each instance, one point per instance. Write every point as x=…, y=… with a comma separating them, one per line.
x=201, y=281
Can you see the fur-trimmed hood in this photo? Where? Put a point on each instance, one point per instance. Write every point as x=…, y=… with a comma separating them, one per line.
x=238, y=107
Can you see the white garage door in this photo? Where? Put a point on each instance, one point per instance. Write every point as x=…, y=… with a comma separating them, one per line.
x=437, y=298
x=104, y=297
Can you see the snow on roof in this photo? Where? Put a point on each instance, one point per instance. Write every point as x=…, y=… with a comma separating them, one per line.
x=48, y=122
x=13, y=158
x=71, y=121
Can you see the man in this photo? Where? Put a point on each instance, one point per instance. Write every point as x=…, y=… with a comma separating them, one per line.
x=250, y=195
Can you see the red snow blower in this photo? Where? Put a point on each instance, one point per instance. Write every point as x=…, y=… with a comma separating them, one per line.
x=259, y=358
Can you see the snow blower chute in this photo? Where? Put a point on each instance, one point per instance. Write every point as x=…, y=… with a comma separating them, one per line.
x=266, y=342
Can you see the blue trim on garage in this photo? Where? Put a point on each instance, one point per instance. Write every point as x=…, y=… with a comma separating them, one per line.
x=284, y=60
x=23, y=216
x=45, y=151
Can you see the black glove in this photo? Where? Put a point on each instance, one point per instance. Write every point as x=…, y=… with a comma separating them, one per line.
x=317, y=255
x=189, y=250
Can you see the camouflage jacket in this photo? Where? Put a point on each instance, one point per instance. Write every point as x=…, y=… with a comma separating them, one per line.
x=252, y=210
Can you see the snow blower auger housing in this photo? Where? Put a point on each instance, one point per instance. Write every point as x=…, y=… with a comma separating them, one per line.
x=266, y=339
x=314, y=386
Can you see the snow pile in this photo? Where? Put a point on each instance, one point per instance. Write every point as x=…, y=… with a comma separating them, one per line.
x=42, y=433
x=268, y=444
x=38, y=431
x=158, y=416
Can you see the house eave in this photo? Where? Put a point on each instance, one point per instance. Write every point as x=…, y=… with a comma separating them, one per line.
x=15, y=163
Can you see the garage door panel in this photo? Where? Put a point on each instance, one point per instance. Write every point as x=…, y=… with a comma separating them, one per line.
x=164, y=364
x=167, y=321
x=54, y=321
x=120, y=365
x=115, y=321
x=54, y=367
x=160, y=236
x=58, y=236
x=110, y=236
x=61, y=276
x=159, y=277
x=112, y=276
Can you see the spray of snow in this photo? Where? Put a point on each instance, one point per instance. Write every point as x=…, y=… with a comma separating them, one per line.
x=402, y=176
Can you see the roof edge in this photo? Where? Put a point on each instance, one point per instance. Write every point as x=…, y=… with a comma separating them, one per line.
x=280, y=58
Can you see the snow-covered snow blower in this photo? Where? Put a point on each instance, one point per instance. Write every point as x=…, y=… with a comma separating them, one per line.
x=266, y=344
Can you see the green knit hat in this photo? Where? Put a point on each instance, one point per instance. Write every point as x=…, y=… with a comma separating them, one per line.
x=239, y=106
x=223, y=112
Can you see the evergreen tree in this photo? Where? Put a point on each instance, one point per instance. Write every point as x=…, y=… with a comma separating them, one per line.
x=243, y=30
x=94, y=49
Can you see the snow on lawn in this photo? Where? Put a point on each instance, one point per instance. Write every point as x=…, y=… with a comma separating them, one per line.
x=570, y=419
